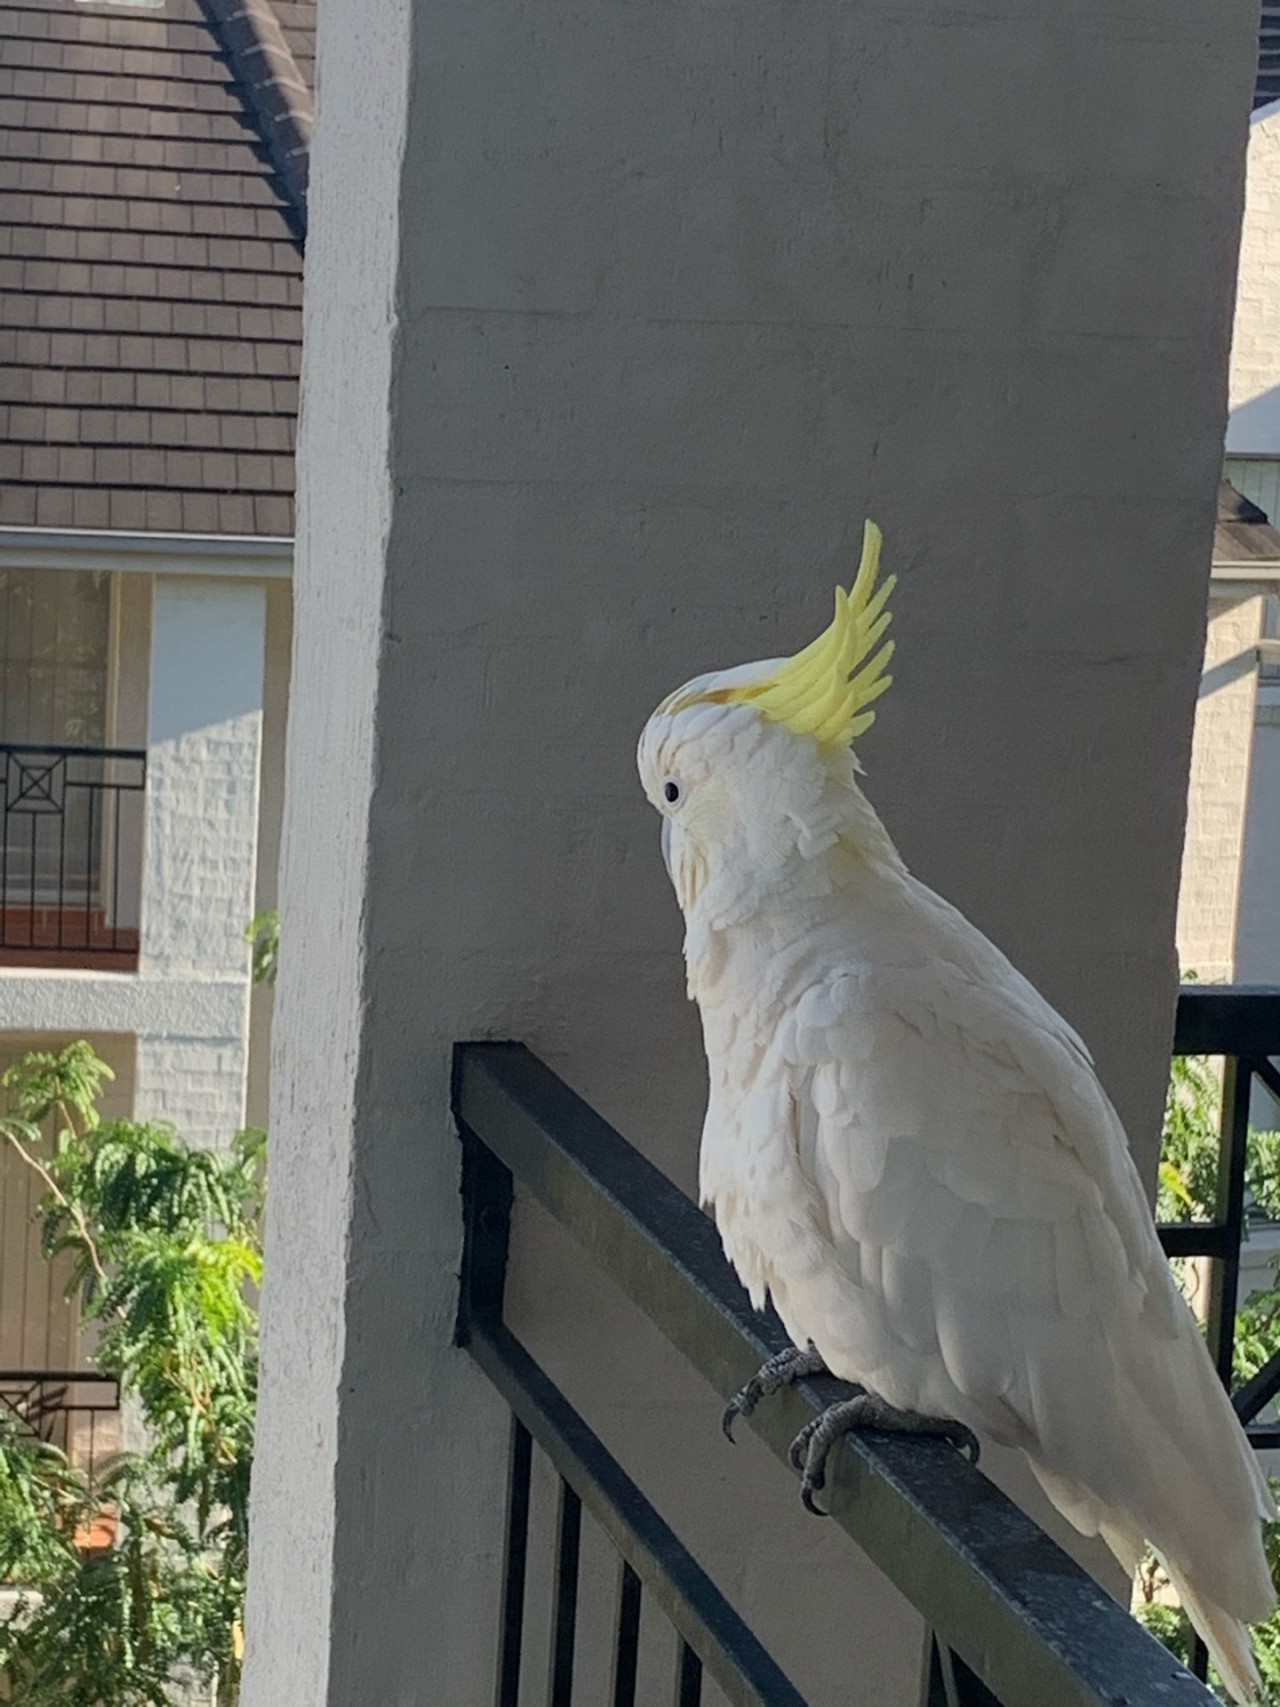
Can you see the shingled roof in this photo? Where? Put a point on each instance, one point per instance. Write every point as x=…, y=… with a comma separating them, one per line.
x=152, y=207
x=1243, y=534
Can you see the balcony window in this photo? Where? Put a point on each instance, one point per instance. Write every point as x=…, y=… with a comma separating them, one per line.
x=71, y=803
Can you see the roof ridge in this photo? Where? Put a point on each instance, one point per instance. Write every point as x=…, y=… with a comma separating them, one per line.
x=275, y=92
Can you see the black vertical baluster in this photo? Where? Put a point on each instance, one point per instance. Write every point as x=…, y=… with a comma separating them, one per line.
x=564, y=1616
x=688, y=1676
x=31, y=887
x=62, y=863
x=117, y=806
x=1237, y=1080
x=939, y=1680
x=4, y=855
x=511, y=1628
x=1224, y=1274
x=627, y=1646
x=950, y=1683
x=88, y=869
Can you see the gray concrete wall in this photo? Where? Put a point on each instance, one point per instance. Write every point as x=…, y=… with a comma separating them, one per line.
x=619, y=319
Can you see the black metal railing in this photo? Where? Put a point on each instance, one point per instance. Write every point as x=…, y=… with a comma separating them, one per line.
x=1241, y=1025
x=76, y=1410
x=1014, y=1621
x=70, y=851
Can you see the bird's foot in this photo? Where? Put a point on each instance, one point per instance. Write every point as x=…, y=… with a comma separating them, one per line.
x=781, y=1370
x=811, y=1446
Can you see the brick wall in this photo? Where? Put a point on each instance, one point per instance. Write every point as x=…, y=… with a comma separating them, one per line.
x=197, y=1083
x=205, y=723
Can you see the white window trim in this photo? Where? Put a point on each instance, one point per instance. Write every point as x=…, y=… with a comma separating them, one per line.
x=258, y=558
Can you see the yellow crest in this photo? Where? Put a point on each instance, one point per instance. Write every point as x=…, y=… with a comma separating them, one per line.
x=825, y=690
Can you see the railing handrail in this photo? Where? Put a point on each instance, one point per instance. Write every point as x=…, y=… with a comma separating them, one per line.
x=9, y=1376
x=63, y=750
x=1227, y=1019
x=55, y=1377
x=1023, y=1616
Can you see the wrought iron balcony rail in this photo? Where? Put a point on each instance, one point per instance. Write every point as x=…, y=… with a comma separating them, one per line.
x=1014, y=1621
x=1241, y=1024
x=70, y=854
x=76, y=1410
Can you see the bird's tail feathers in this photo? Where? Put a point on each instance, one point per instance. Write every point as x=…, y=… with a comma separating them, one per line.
x=1212, y=1528
x=1224, y=1633
x=1226, y=1638
x=1125, y=1542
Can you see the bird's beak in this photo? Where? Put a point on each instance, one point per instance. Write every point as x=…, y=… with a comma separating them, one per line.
x=666, y=847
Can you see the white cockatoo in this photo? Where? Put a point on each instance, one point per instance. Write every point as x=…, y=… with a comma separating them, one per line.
x=909, y=1151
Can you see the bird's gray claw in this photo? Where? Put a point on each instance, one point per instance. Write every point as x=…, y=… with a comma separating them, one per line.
x=780, y=1370
x=807, y=1491
x=965, y=1441
x=808, y=1451
x=743, y=1402
x=798, y=1451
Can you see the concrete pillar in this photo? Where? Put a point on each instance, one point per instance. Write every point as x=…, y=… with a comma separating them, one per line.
x=619, y=319
x=204, y=733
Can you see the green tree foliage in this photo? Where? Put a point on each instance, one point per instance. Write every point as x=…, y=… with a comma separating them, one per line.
x=1189, y=1150
x=165, y=1242
x=262, y=933
x=1187, y=1190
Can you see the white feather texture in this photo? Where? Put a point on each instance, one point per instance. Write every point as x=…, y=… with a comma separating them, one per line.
x=910, y=1152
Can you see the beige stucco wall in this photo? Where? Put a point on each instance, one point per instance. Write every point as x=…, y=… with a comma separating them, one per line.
x=275, y=707
x=1258, y=926
x=1218, y=793
x=130, y=660
x=37, y=1319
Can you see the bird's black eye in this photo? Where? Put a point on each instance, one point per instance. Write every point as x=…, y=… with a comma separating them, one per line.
x=671, y=792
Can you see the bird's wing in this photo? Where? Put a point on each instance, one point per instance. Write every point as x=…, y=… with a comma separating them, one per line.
x=977, y=1183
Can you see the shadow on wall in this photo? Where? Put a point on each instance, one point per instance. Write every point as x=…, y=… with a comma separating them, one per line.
x=1254, y=427
x=1229, y=670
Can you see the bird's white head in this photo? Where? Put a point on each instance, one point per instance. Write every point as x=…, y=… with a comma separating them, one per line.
x=752, y=768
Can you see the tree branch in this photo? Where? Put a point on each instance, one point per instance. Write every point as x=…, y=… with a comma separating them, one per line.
x=60, y=1197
